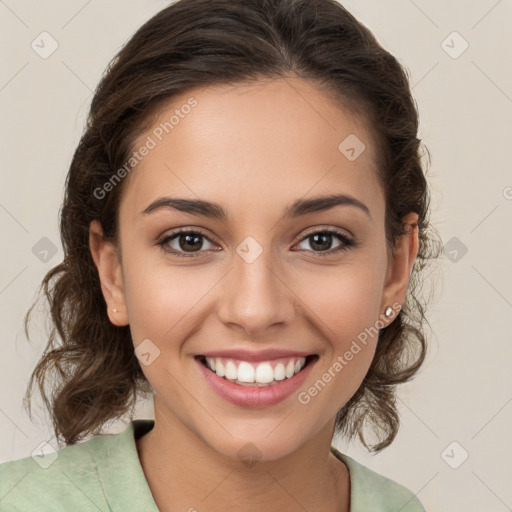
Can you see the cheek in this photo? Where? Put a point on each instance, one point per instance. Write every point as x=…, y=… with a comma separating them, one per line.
x=162, y=300
x=344, y=306
x=163, y=304
x=345, y=300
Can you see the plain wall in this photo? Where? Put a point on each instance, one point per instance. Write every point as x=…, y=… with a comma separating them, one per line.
x=463, y=393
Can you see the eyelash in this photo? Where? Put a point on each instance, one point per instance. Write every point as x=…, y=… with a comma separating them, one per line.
x=347, y=242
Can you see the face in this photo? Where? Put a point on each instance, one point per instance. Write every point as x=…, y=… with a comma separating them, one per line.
x=268, y=291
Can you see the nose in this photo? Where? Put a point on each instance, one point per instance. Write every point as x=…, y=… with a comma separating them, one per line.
x=256, y=296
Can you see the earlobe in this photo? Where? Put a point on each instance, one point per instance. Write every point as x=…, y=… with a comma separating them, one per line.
x=401, y=263
x=106, y=258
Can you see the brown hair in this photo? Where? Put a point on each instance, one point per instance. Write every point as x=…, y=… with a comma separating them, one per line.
x=199, y=43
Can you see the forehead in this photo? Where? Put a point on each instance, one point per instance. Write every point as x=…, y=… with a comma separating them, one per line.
x=254, y=145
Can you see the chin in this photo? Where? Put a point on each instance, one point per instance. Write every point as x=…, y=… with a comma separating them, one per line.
x=258, y=440
x=250, y=451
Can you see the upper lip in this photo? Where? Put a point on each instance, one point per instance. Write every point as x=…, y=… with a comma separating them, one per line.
x=260, y=355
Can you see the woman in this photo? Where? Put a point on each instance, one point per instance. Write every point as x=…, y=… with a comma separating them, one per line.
x=245, y=221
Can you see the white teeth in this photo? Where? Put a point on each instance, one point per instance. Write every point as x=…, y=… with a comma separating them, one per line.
x=279, y=372
x=264, y=373
x=245, y=372
x=219, y=367
x=259, y=374
x=231, y=371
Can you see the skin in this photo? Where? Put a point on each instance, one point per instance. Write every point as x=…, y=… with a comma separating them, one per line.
x=254, y=149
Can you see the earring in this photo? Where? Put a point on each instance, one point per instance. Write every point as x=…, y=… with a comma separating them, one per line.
x=389, y=311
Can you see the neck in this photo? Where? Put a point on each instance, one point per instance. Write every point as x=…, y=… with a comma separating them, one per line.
x=184, y=473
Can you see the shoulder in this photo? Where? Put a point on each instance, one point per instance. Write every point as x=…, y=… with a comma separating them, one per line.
x=373, y=491
x=57, y=480
x=100, y=474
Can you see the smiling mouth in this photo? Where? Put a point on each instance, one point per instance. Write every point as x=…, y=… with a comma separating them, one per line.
x=261, y=374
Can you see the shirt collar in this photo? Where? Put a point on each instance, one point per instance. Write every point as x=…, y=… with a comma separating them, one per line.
x=120, y=463
x=121, y=473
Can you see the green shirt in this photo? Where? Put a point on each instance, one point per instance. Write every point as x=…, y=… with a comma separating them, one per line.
x=104, y=474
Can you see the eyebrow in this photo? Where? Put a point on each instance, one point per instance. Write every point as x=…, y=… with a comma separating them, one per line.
x=296, y=209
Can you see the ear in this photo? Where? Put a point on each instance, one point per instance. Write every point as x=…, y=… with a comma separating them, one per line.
x=106, y=257
x=400, y=266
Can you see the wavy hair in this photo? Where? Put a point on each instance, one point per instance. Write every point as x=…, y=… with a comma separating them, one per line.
x=89, y=364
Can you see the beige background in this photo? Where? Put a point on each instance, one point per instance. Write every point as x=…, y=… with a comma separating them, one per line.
x=463, y=394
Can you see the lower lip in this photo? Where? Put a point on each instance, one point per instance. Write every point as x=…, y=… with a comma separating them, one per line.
x=255, y=396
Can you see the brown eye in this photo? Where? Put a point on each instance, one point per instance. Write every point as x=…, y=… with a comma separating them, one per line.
x=321, y=241
x=189, y=242
x=184, y=241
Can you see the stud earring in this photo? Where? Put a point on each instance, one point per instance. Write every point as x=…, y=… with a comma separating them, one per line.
x=389, y=311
